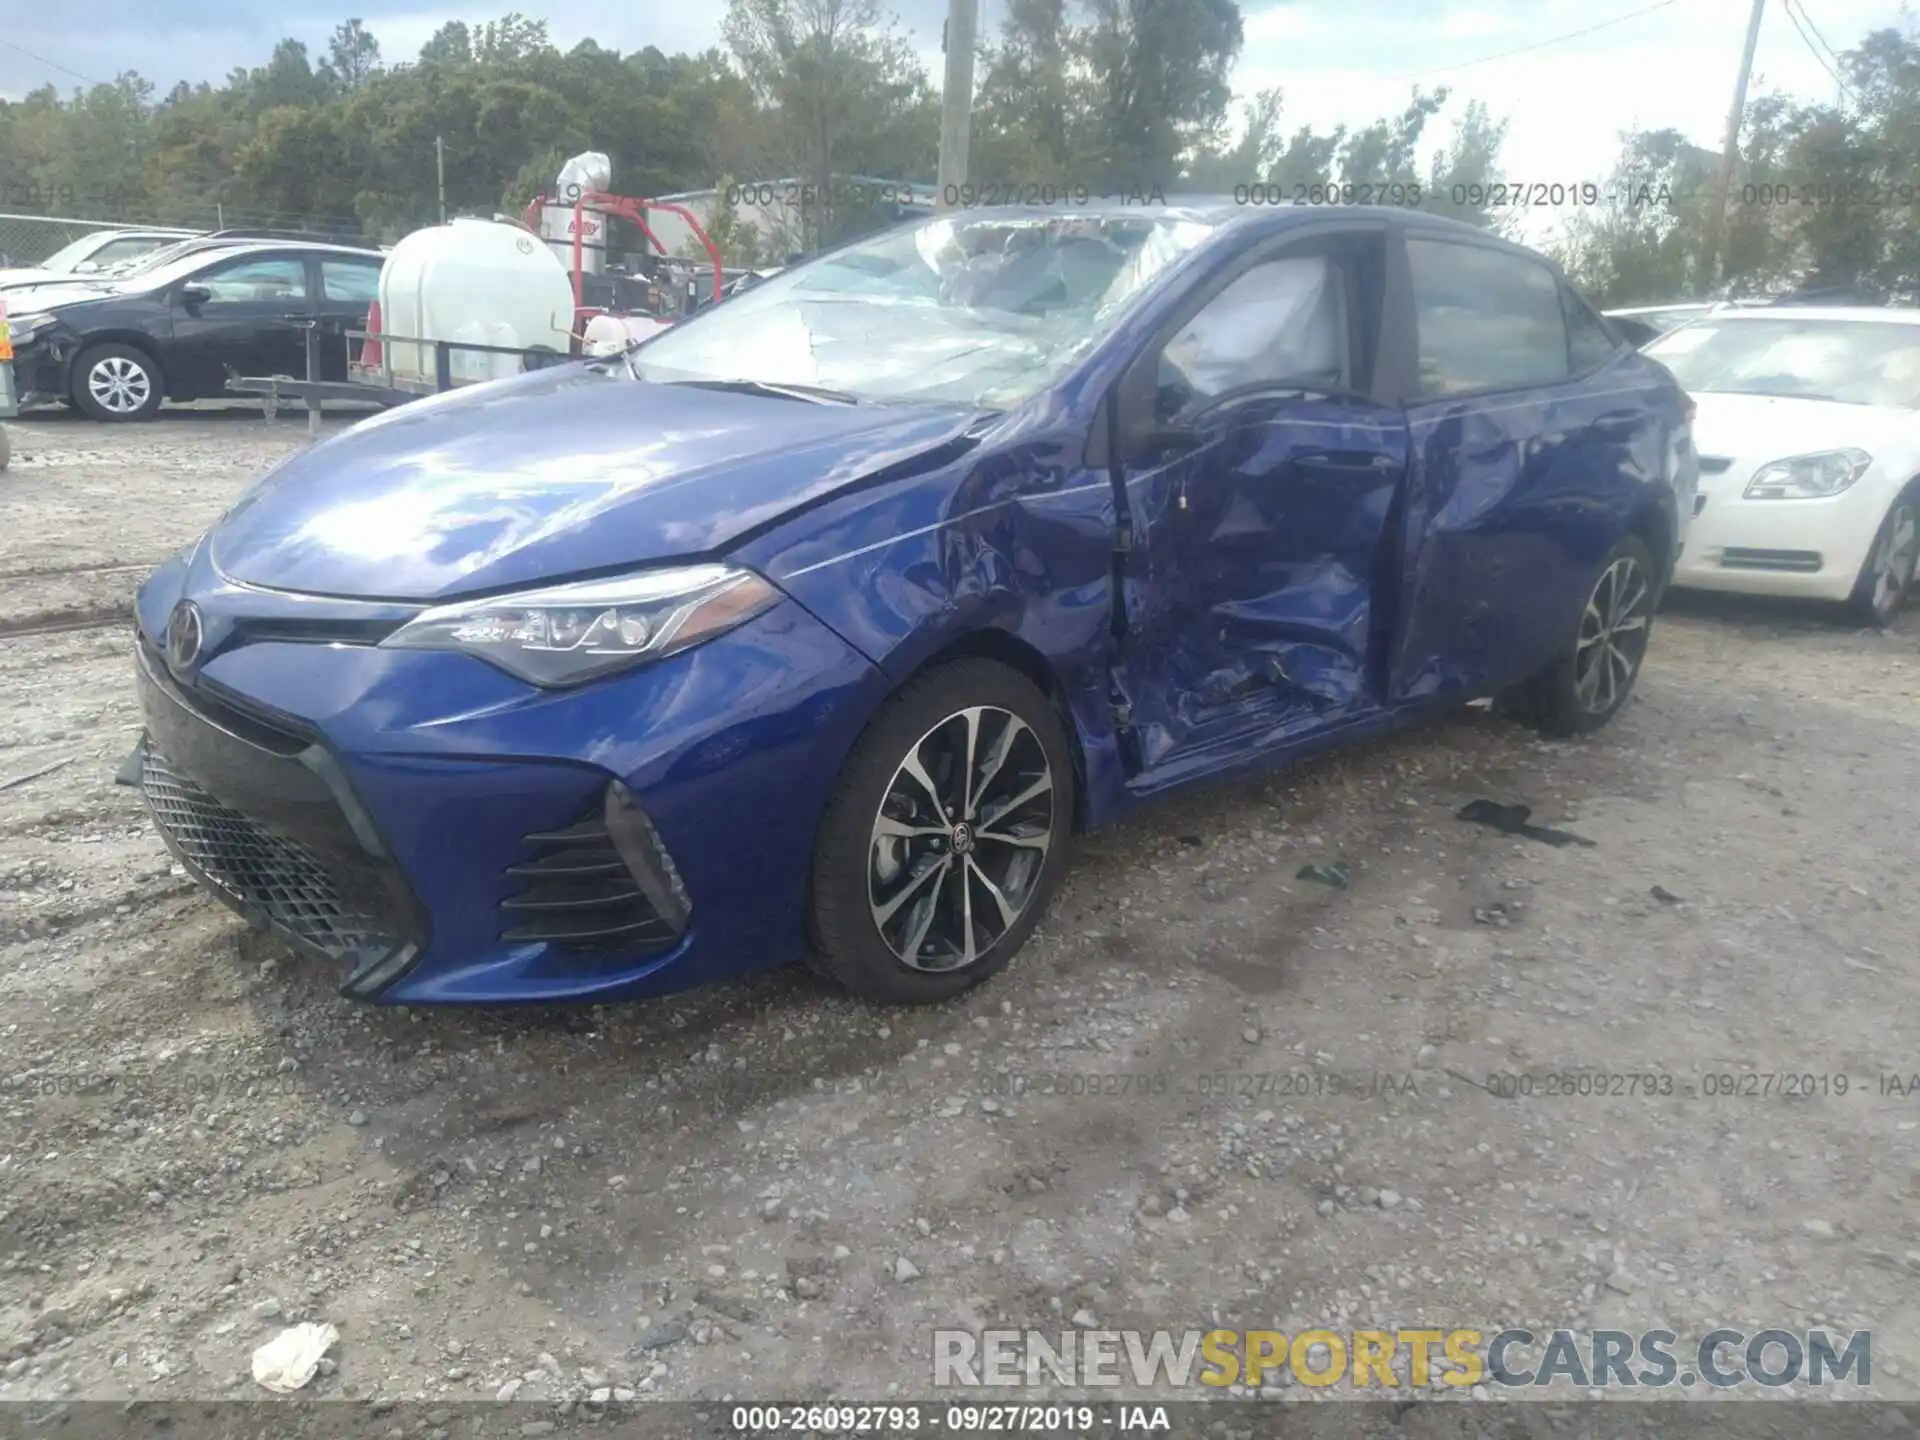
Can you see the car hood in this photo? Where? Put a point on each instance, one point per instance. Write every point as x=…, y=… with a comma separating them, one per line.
x=1762, y=428
x=33, y=297
x=23, y=275
x=559, y=473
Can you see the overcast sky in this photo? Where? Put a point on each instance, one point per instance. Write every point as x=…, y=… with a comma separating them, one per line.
x=1338, y=61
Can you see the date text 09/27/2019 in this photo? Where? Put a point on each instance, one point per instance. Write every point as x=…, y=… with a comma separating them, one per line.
x=893, y=1419
x=1553, y=1084
x=1071, y=194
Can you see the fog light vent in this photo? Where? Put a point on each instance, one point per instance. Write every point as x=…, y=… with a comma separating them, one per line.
x=605, y=883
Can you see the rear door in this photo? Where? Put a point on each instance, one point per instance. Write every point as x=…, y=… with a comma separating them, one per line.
x=1529, y=438
x=348, y=286
x=1260, y=462
x=251, y=321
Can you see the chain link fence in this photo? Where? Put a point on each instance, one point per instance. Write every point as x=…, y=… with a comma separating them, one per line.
x=26, y=240
x=29, y=235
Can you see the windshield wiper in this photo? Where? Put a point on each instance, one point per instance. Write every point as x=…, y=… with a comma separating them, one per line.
x=814, y=394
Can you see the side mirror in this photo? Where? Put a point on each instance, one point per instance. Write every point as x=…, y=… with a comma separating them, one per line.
x=194, y=295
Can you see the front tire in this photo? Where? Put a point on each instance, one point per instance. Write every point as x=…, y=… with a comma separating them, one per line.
x=1887, y=573
x=1587, y=683
x=117, y=382
x=946, y=838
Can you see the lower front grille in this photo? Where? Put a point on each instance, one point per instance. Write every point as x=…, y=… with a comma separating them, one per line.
x=604, y=883
x=271, y=875
x=1803, y=562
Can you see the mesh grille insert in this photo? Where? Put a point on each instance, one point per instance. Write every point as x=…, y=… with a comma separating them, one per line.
x=283, y=881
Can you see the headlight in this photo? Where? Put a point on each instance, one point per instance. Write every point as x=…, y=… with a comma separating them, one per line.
x=573, y=633
x=24, y=327
x=1808, y=477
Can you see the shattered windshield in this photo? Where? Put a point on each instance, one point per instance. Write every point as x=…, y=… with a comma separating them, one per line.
x=983, y=311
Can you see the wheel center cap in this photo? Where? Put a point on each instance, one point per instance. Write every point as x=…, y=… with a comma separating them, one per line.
x=963, y=839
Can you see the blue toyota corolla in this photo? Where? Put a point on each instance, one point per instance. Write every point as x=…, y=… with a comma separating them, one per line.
x=818, y=625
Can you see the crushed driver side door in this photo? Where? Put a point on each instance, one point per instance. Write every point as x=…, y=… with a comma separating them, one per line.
x=1259, y=466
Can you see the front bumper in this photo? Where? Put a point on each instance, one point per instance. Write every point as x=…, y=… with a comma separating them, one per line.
x=40, y=370
x=437, y=832
x=1809, y=548
x=265, y=820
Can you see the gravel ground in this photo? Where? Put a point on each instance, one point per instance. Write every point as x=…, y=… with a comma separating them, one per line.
x=763, y=1190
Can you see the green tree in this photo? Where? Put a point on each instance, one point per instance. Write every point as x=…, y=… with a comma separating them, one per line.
x=1158, y=72
x=1032, y=100
x=352, y=55
x=738, y=241
x=1225, y=163
x=842, y=94
x=451, y=44
x=1465, y=167
x=288, y=78
x=1642, y=243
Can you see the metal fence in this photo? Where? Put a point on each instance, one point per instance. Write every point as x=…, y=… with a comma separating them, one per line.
x=29, y=239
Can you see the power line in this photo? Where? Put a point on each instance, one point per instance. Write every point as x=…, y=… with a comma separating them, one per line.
x=1813, y=49
x=1537, y=45
x=52, y=64
x=1801, y=7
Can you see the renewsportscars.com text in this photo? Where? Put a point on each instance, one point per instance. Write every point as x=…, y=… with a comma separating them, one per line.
x=1400, y=1359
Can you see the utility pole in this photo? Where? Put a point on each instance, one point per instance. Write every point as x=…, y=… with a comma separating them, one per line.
x=1729, y=156
x=956, y=100
x=440, y=172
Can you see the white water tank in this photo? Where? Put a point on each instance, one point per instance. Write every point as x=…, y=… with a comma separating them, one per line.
x=586, y=174
x=482, y=282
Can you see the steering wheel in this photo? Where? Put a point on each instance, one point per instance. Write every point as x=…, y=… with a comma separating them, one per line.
x=1175, y=394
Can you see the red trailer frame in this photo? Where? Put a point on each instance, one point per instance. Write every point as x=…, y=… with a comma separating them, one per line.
x=632, y=209
x=387, y=390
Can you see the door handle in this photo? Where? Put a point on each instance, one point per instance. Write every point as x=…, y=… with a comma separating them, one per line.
x=1326, y=457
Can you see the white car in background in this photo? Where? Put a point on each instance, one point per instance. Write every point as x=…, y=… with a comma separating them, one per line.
x=91, y=255
x=1808, y=433
x=1643, y=324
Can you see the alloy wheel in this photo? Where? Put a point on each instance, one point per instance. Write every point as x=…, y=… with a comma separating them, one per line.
x=119, y=385
x=960, y=839
x=1613, y=636
x=1893, y=567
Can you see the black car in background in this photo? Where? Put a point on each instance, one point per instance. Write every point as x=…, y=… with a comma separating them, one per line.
x=118, y=347
x=141, y=261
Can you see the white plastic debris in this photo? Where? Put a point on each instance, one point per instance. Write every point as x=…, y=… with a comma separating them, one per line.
x=288, y=1361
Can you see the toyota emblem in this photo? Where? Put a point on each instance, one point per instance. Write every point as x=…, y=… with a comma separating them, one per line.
x=183, y=635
